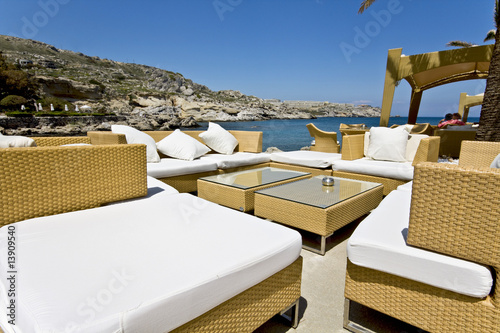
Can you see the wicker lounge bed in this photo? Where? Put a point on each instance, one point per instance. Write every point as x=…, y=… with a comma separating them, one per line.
x=466, y=235
x=76, y=210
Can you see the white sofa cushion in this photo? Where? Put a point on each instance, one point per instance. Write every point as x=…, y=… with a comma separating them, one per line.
x=218, y=139
x=312, y=159
x=406, y=187
x=387, y=144
x=496, y=162
x=8, y=141
x=169, y=167
x=182, y=146
x=379, y=242
x=367, y=166
x=135, y=136
x=139, y=266
x=237, y=159
x=411, y=145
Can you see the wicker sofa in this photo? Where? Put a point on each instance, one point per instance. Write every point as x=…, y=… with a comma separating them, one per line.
x=353, y=152
x=426, y=223
x=93, y=226
x=250, y=144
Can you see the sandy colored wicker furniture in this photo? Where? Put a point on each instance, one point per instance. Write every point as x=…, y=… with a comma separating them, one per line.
x=451, y=139
x=44, y=181
x=323, y=141
x=353, y=149
x=46, y=141
x=310, y=206
x=470, y=233
x=352, y=129
x=424, y=128
x=236, y=189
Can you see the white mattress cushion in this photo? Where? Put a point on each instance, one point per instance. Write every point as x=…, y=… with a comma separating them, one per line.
x=169, y=167
x=313, y=159
x=406, y=187
x=367, y=166
x=139, y=266
x=237, y=159
x=412, y=145
x=379, y=242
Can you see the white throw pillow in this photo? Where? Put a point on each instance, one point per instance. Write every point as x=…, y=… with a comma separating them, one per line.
x=387, y=144
x=182, y=146
x=219, y=139
x=135, y=136
x=7, y=141
x=496, y=162
x=412, y=145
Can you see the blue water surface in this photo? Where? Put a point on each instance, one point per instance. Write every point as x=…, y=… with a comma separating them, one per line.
x=292, y=134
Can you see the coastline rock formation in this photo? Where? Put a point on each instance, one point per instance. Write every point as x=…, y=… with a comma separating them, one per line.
x=142, y=96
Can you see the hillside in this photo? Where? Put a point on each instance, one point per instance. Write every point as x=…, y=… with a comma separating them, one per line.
x=152, y=98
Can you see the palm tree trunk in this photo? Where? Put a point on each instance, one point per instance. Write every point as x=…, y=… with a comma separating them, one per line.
x=489, y=121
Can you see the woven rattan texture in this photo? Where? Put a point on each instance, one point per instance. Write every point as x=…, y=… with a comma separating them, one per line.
x=106, y=138
x=186, y=183
x=352, y=146
x=421, y=305
x=389, y=183
x=43, y=181
x=250, y=309
x=312, y=171
x=428, y=150
x=313, y=219
x=478, y=153
x=243, y=168
x=471, y=232
x=232, y=197
x=46, y=141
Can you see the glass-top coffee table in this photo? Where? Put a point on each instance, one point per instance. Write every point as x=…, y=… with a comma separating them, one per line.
x=310, y=206
x=236, y=189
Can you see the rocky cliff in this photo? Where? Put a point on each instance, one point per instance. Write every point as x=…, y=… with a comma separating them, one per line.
x=144, y=96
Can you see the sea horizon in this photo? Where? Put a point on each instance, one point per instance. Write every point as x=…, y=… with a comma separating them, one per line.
x=292, y=134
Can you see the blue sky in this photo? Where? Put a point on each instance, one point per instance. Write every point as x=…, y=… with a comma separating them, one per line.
x=286, y=49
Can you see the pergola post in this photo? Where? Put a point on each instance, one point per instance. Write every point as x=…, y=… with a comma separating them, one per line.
x=391, y=78
x=416, y=97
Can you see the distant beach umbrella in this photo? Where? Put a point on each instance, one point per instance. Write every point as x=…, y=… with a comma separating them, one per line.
x=40, y=107
x=23, y=108
x=77, y=109
x=65, y=107
x=51, y=107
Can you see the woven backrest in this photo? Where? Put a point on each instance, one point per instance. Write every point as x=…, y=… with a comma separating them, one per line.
x=478, y=153
x=106, y=138
x=455, y=211
x=428, y=150
x=47, y=141
x=41, y=181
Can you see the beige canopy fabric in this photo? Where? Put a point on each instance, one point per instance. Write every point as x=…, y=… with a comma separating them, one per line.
x=429, y=70
x=468, y=101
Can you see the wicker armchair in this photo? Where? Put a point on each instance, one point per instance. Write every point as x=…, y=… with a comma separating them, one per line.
x=470, y=233
x=324, y=141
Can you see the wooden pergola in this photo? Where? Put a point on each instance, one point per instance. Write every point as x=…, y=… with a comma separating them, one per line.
x=468, y=101
x=429, y=70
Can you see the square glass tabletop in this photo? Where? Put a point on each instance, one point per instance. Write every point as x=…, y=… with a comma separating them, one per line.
x=313, y=193
x=248, y=179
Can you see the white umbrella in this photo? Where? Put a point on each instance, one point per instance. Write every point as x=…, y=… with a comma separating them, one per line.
x=51, y=107
x=40, y=107
x=77, y=109
x=65, y=107
x=22, y=107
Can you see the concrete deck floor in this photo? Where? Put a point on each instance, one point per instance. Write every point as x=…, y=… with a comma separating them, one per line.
x=322, y=301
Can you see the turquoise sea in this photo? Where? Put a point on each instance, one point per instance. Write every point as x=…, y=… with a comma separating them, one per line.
x=292, y=134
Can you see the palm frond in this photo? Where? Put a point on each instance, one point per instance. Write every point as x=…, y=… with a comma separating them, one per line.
x=490, y=35
x=460, y=43
x=365, y=4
